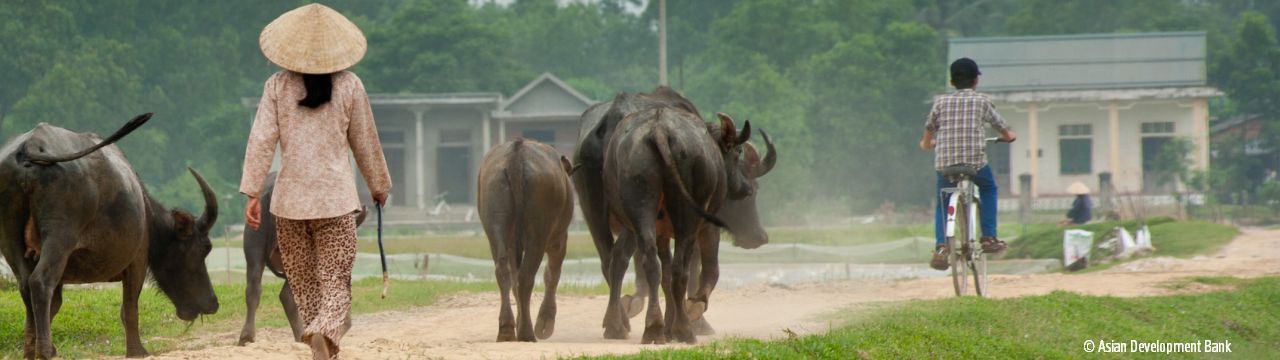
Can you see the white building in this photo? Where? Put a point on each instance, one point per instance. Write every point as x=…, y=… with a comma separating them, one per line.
x=1089, y=104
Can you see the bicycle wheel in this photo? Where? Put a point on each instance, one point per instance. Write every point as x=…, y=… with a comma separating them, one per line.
x=958, y=258
x=978, y=265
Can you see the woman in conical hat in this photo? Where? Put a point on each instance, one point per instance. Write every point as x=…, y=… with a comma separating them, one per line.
x=1081, y=208
x=318, y=113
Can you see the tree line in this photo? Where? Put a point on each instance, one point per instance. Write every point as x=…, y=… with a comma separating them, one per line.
x=842, y=85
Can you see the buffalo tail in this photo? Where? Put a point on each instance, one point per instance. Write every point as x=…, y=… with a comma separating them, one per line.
x=662, y=143
x=45, y=160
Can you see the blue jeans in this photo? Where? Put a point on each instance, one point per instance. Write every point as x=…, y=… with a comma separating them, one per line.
x=990, y=195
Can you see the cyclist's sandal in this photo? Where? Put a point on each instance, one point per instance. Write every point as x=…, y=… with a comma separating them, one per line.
x=939, y=261
x=992, y=245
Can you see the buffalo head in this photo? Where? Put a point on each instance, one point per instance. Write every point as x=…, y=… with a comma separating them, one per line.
x=741, y=215
x=180, y=243
x=731, y=141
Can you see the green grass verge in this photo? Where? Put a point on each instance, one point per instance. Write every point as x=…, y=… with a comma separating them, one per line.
x=1053, y=326
x=1181, y=239
x=89, y=323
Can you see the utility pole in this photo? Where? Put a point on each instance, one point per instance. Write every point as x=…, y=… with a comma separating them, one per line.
x=662, y=42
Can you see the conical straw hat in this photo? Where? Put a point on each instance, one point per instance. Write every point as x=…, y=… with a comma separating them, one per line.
x=313, y=39
x=1077, y=188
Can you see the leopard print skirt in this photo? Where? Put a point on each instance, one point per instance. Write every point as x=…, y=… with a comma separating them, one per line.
x=318, y=257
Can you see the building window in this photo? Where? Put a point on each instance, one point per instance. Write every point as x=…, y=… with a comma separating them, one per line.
x=1157, y=128
x=1075, y=149
x=543, y=136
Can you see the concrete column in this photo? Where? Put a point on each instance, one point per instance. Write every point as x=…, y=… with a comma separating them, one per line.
x=502, y=131
x=486, y=132
x=1200, y=133
x=1033, y=145
x=419, y=153
x=1113, y=139
x=1024, y=196
x=1106, y=193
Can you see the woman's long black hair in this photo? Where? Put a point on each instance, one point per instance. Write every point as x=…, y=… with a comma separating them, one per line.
x=319, y=90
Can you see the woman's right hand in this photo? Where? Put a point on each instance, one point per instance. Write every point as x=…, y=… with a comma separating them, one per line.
x=380, y=199
x=253, y=213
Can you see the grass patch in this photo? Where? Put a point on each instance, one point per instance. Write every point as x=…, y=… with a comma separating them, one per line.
x=89, y=324
x=1053, y=326
x=1181, y=239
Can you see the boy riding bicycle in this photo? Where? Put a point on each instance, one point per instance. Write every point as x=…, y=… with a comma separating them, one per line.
x=957, y=121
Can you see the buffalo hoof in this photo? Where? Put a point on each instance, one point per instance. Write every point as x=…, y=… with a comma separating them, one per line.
x=684, y=335
x=48, y=352
x=244, y=340
x=545, y=328
x=654, y=334
x=632, y=305
x=701, y=327
x=616, y=332
x=506, y=335
x=140, y=353
x=695, y=309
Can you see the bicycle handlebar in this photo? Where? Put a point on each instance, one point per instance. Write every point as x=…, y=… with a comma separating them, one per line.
x=996, y=140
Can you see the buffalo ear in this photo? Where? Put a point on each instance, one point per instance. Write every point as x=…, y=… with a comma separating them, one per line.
x=566, y=164
x=183, y=223
x=751, y=156
x=728, y=132
x=746, y=133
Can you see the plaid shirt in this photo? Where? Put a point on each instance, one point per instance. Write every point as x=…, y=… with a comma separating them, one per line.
x=957, y=119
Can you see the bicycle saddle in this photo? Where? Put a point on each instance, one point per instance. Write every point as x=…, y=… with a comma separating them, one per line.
x=954, y=170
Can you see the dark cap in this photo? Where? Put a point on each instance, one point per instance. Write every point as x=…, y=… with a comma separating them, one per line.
x=964, y=68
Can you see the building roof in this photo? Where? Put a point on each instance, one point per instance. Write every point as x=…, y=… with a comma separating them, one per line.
x=544, y=98
x=1160, y=93
x=1233, y=122
x=1086, y=62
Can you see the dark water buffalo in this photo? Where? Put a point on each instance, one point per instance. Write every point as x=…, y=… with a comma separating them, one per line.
x=85, y=218
x=663, y=160
x=260, y=252
x=747, y=232
x=525, y=204
x=595, y=126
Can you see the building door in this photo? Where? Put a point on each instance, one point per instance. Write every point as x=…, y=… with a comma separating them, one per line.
x=1154, y=181
x=453, y=166
x=998, y=158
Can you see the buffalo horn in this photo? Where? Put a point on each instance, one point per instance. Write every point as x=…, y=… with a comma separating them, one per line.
x=770, y=159
x=210, y=215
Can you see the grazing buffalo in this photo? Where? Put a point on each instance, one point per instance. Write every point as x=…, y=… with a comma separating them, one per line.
x=595, y=127
x=260, y=251
x=664, y=161
x=525, y=205
x=85, y=218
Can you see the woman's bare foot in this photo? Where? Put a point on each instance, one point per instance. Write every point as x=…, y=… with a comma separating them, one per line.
x=320, y=347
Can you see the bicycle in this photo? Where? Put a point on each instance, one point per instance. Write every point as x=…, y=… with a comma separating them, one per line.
x=962, y=237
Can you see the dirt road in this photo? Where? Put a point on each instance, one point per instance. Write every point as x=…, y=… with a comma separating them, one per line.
x=464, y=327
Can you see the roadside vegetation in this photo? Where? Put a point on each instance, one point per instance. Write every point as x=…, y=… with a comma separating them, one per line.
x=1052, y=326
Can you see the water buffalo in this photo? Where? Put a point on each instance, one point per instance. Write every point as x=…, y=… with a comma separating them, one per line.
x=85, y=218
x=748, y=233
x=663, y=160
x=260, y=252
x=595, y=127
x=525, y=205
